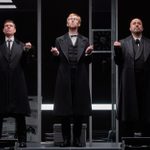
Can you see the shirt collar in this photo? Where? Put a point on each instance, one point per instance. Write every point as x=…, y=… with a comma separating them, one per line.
x=12, y=38
x=137, y=38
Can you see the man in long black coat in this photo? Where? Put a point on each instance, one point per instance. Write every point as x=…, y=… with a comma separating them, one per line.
x=72, y=95
x=13, y=90
x=132, y=55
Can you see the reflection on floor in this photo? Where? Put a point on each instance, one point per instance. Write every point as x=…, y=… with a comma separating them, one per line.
x=93, y=146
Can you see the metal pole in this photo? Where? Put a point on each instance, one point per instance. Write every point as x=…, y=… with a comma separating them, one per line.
x=90, y=70
x=114, y=36
x=39, y=97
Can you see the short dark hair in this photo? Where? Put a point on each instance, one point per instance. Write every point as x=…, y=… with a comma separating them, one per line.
x=9, y=20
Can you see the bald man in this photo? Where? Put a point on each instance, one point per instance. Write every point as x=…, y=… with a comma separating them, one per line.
x=132, y=55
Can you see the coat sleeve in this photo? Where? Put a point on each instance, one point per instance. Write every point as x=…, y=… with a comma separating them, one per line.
x=88, y=57
x=56, y=58
x=118, y=54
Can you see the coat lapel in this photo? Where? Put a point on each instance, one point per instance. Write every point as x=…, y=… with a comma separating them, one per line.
x=14, y=50
x=130, y=46
x=80, y=43
x=5, y=51
x=146, y=48
x=64, y=45
x=81, y=46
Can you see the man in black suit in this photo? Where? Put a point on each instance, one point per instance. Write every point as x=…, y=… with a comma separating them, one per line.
x=13, y=90
x=72, y=95
x=132, y=55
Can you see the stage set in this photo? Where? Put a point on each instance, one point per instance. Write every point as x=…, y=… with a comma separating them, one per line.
x=40, y=22
x=94, y=146
x=128, y=143
x=13, y=145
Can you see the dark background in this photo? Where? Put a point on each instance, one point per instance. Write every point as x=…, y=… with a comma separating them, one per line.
x=129, y=9
x=54, y=14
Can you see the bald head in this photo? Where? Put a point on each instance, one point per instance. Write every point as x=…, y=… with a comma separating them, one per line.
x=136, y=26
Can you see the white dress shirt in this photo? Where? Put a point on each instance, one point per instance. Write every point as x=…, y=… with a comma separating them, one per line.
x=11, y=41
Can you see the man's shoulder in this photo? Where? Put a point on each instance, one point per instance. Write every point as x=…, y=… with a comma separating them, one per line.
x=146, y=39
x=127, y=38
x=17, y=41
x=62, y=36
x=82, y=37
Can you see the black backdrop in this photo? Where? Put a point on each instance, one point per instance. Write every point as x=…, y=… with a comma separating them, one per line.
x=54, y=15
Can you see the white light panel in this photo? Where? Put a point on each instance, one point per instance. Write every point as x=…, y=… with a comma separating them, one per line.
x=7, y=6
x=5, y=1
x=94, y=106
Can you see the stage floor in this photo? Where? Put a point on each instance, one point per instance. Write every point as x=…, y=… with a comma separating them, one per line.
x=94, y=146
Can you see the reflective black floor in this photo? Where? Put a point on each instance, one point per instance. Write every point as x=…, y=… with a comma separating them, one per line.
x=93, y=146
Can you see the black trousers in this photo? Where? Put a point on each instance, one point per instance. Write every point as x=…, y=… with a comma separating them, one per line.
x=75, y=119
x=66, y=126
x=127, y=129
x=20, y=127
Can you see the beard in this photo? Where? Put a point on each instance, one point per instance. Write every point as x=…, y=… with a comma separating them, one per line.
x=137, y=30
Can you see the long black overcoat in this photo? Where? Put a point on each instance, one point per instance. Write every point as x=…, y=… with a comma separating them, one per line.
x=13, y=89
x=127, y=108
x=63, y=104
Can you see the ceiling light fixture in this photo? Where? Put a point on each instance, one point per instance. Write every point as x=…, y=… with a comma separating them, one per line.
x=7, y=7
x=5, y=1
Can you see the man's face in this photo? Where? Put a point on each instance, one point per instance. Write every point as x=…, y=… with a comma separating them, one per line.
x=73, y=21
x=9, y=29
x=136, y=26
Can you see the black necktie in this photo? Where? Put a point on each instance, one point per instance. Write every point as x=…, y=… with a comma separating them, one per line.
x=73, y=35
x=8, y=44
x=9, y=48
x=137, y=48
x=137, y=41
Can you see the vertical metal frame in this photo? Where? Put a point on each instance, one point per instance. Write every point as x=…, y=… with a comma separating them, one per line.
x=39, y=85
x=114, y=69
x=90, y=70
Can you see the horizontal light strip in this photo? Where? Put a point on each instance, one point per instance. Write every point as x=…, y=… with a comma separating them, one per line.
x=94, y=107
x=7, y=6
x=5, y=1
x=47, y=107
x=101, y=107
